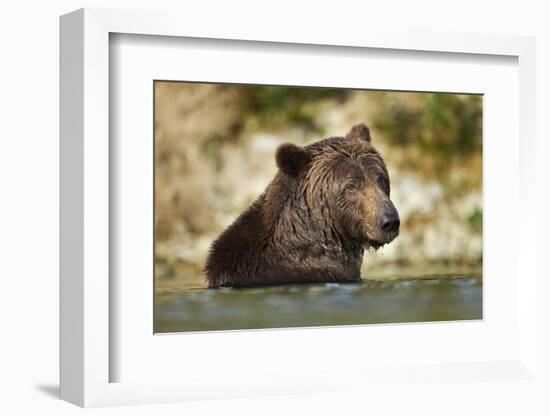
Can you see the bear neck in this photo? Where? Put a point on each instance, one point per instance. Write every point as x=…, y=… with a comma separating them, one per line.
x=310, y=231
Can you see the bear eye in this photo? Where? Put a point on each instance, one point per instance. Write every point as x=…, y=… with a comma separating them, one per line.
x=351, y=187
x=384, y=184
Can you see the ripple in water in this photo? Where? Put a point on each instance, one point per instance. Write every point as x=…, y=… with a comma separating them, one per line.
x=369, y=302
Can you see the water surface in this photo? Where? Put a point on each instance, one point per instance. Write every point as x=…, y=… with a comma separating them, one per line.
x=431, y=298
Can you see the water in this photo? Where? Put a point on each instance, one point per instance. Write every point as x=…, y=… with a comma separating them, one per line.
x=368, y=302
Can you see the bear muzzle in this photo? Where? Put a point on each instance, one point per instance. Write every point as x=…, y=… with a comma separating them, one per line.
x=388, y=224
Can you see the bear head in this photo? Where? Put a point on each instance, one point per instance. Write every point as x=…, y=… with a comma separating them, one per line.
x=341, y=184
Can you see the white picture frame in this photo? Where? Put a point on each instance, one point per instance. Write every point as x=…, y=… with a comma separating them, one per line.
x=86, y=356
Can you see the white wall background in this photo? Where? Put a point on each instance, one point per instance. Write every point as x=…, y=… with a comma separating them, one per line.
x=29, y=205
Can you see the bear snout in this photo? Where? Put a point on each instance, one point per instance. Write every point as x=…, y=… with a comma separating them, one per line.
x=389, y=222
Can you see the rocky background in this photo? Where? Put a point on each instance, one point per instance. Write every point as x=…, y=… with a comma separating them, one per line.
x=215, y=148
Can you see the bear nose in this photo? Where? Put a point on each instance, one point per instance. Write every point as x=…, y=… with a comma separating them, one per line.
x=390, y=222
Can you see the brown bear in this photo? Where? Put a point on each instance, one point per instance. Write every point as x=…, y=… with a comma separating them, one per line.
x=328, y=202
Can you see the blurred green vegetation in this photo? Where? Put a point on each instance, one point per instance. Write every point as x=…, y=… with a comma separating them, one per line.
x=476, y=220
x=447, y=127
x=212, y=150
x=273, y=108
x=281, y=107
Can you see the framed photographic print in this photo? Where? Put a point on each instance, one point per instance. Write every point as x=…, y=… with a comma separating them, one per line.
x=240, y=212
x=306, y=232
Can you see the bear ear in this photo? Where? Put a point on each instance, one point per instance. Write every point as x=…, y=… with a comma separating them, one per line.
x=359, y=131
x=291, y=159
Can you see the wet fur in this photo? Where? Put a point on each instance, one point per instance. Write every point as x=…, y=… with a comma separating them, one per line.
x=303, y=228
